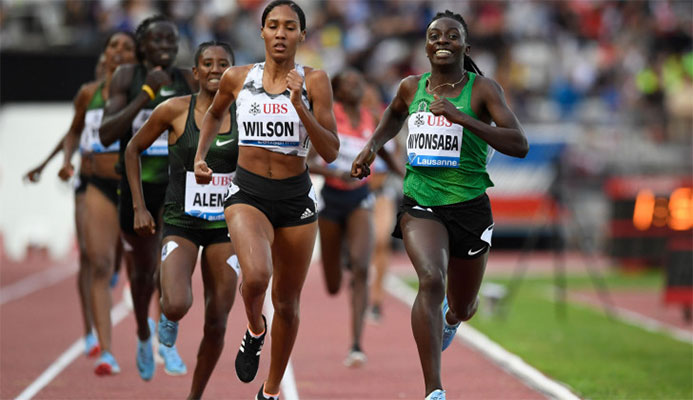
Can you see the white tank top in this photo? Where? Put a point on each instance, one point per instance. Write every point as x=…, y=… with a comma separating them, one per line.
x=269, y=120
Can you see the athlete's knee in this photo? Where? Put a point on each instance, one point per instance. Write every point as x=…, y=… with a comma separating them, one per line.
x=215, y=328
x=175, y=308
x=464, y=311
x=287, y=309
x=431, y=280
x=255, y=283
x=359, y=271
x=101, y=266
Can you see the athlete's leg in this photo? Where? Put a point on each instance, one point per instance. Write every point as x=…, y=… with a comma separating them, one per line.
x=291, y=254
x=360, y=241
x=331, y=240
x=252, y=235
x=426, y=243
x=384, y=214
x=102, y=233
x=177, y=265
x=464, y=280
x=84, y=275
x=220, y=282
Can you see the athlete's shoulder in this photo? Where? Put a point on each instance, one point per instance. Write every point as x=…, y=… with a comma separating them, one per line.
x=87, y=91
x=486, y=85
x=174, y=106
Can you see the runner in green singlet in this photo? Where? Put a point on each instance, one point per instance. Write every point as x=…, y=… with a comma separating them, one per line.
x=445, y=219
x=194, y=214
x=136, y=90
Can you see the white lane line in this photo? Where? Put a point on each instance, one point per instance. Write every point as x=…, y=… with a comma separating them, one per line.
x=501, y=357
x=643, y=322
x=36, y=282
x=287, y=386
x=120, y=311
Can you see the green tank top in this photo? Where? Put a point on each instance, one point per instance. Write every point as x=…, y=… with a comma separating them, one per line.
x=436, y=175
x=193, y=206
x=154, y=159
x=89, y=139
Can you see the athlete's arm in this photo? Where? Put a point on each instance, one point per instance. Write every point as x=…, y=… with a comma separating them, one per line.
x=393, y=118
x=212, y=121
x=317, y=167
x=156, y=124
x=320, y=125
x=35, y=174
x=71, y=139
x=507, y=136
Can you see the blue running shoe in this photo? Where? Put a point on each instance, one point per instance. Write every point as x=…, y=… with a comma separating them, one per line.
x=168, y=331
x=438, y=394
x=173, y=364
x=448, y=330
x=91, y=345
x=106, y=365
x=145, y=356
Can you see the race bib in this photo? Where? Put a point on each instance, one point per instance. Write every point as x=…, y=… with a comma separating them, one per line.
x=206, y=201
x=349, y=148
x=160, y=145
x=433, y=141
x=90, y=140
x=268, y=124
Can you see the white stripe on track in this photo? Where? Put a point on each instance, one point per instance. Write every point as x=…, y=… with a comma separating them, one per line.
x=501, y=357
x=287, y=386
x=36, y=282
x=120, y=311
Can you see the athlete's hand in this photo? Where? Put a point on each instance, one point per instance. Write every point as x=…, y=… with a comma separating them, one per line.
x=294, y=82
x=442, y=106
x=156, y=78
x=361, y=167
x=144, y=223
x=203, y=174
x=66, y=171
x=34, y=175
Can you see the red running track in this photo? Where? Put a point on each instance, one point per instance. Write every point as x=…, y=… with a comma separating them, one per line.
x=37, y=328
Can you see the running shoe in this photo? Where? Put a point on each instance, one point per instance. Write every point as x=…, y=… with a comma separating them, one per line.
x=375, y=314
x=261, y=395
x=438, y=394
x=106, y=365
x=355, y=359
x=91, y=345
x=114, y=280
x=248, y=357
x=145, y=355
x=168, y=331
x=449, y=331
x=173, y=364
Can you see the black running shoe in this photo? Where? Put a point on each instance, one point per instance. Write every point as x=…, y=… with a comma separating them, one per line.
x=248, y=357
x=261, y=395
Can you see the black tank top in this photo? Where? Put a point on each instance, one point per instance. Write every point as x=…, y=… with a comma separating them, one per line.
x=189, y=205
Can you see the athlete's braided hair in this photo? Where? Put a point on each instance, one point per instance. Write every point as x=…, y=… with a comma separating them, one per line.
x=212, y=43
x=469, y=64
x=297, y=9
x=142, y=30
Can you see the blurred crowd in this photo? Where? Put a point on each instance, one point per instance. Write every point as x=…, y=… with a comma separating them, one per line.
x=591, y=61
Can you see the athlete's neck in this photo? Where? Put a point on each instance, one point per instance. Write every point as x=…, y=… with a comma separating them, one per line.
x=204, y=99
x=446, y=74
x=276, y=71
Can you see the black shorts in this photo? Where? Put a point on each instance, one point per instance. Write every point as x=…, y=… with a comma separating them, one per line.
x=81, y=182
x=109, y=187
x=201, y=237
x=285, y=202
x=154, y=194
x=336, y=204
x=469, y=224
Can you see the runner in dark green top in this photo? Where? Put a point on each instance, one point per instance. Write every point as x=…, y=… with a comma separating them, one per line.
x=194, y=214
x=135, y=91
x=445, y=220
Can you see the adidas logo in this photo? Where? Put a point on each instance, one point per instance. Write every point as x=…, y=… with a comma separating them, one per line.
x=307, y=213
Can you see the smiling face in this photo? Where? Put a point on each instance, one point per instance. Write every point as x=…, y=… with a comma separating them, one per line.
x=211, y=64
x=282, y=32
x=446, y=42
x=120, y=49
x=160, y=44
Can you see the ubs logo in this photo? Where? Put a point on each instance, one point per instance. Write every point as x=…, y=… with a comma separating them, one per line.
x=255, y=109
x=419, y=120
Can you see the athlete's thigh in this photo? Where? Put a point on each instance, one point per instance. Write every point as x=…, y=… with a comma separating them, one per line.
x=80, y=218
x=218, y=274
x=426, y=242
x=252, y=235
x=291, y=254
x=101, y=228
x=178, y=258
x=331, y=237
x=464, y=278
x=360, y=235
x=384, y=214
